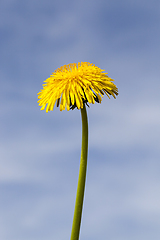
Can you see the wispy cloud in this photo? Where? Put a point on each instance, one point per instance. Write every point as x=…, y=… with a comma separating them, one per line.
x=40, y=152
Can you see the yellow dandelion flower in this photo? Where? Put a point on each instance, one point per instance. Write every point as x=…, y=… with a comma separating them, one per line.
x=74, y=85
x=70, y=86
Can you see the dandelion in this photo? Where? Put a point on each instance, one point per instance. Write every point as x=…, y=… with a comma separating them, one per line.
x=74, y=86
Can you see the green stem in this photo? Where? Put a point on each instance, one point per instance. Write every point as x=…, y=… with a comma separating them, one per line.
x=82, y=177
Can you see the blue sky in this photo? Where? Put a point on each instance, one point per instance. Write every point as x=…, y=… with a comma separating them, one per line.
x=40, y=151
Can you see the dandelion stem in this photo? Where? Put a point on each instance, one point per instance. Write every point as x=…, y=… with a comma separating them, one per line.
x=82, y=177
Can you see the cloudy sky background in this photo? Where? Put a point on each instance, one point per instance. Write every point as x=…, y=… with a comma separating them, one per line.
x=39, y=151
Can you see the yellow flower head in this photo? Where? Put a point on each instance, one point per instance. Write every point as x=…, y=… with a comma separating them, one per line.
x=73, y=85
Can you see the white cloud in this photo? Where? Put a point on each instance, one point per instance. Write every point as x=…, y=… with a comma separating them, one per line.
x=40, y=152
